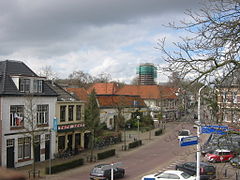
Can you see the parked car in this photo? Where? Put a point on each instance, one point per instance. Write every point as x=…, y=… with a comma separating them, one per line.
x=235, y=162
x=220, y=155
x=103, y=172
x=169, y=175
x=207, y=171
x=183, y=133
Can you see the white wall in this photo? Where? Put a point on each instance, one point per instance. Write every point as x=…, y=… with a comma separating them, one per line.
x=15, y=134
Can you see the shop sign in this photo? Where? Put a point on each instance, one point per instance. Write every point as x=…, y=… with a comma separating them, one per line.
x=70, y=126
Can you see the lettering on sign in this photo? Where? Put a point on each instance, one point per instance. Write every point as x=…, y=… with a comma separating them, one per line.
x=192, y=138
x=70, y=126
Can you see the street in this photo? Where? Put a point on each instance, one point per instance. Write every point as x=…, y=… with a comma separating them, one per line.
x=156, y=155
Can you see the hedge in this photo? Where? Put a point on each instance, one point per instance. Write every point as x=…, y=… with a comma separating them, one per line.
x=158, y=132
x=135, y=144
x=64, y=166
x=106, y=154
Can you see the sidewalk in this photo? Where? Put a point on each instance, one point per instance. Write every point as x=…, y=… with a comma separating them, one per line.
x=146, y=137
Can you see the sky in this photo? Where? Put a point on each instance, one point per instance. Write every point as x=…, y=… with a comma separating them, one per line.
x=93, y=36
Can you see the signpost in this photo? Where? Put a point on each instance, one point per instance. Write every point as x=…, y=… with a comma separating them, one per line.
x=188, y=141
x=214, y=129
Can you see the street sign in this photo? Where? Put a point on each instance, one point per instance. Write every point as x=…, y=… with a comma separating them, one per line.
x=214, y=129
x=55, y=124
x=188, y=141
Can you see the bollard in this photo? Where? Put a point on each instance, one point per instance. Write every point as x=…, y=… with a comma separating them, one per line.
x=236, y=176
x=225, y=173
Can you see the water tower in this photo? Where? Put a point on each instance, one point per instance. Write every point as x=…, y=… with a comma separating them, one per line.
x=147, y=73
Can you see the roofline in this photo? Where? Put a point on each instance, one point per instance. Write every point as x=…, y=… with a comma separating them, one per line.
x=118, y=95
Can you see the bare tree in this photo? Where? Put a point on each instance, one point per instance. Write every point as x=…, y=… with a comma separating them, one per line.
x=31, y=126
x=102, y=78
x=48, y=72
x=135, y=81
x=80, y=79
x=212, y=48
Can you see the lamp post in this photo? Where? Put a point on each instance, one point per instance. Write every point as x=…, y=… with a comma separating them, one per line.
x=138, y=118
x=198, y=133
x=50, y=162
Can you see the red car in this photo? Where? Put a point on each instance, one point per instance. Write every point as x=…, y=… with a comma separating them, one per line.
x=220, y=155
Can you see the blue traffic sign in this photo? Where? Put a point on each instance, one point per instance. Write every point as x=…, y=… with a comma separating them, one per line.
x=188, y=141
x=55, y=123
x=214, y=129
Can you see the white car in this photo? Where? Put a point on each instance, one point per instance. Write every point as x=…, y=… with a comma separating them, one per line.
x=169, y=175
x=183, y=133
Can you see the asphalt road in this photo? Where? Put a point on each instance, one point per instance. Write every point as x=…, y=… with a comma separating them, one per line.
x=157, y=154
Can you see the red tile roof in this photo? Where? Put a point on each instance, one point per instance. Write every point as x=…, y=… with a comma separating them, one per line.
x=106, y=101
x=104, y=88
x=81, y=93
x=148, y=91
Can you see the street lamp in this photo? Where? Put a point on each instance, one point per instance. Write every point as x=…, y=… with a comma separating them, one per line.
x=138, y=118
x=198, y=133
x=50, y=163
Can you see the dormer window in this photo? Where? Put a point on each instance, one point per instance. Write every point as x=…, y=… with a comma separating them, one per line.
x=24, y=85
x=37, y=86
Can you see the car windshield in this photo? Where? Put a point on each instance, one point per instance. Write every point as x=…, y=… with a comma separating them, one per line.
x=97, y=171
x=183, y=133
x=185, y=175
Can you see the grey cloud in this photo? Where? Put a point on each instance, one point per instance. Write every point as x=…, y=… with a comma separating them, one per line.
x=27, y=23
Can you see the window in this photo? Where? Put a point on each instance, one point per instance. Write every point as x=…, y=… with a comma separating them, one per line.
x=42, y=114
x=10, y=143
x=24, y=148
x=61, y=143
x=78, y=112
x=16, y=116
x=62, y=113
x=24, y=85
x=37, y=86
x=70, y=113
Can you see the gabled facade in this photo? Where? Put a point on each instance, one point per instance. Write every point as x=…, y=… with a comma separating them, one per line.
x=228, y=100
x=70, y=130
x=27, y=108
x=111, y=105
x=158, y=98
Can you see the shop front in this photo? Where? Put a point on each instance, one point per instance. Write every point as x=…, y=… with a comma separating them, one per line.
x=70, y=137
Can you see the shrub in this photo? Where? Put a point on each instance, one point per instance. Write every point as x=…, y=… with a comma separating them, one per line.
x=106, y=154
x=65, y=166
x=135, y=144
x=158, y=132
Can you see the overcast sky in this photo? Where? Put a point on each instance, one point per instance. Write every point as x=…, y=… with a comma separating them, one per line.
x=94, y=36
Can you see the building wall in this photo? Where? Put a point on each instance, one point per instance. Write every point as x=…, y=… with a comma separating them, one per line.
x=20, y=133
x=107, y=115
x=71, y=131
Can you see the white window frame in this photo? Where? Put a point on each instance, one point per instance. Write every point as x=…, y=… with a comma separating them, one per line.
x=24, y=148
x=24, y=85
x=37, y=86
x=17, y=116
x=42, y=114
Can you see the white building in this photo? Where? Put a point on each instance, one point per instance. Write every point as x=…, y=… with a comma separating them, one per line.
x=27, y=109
